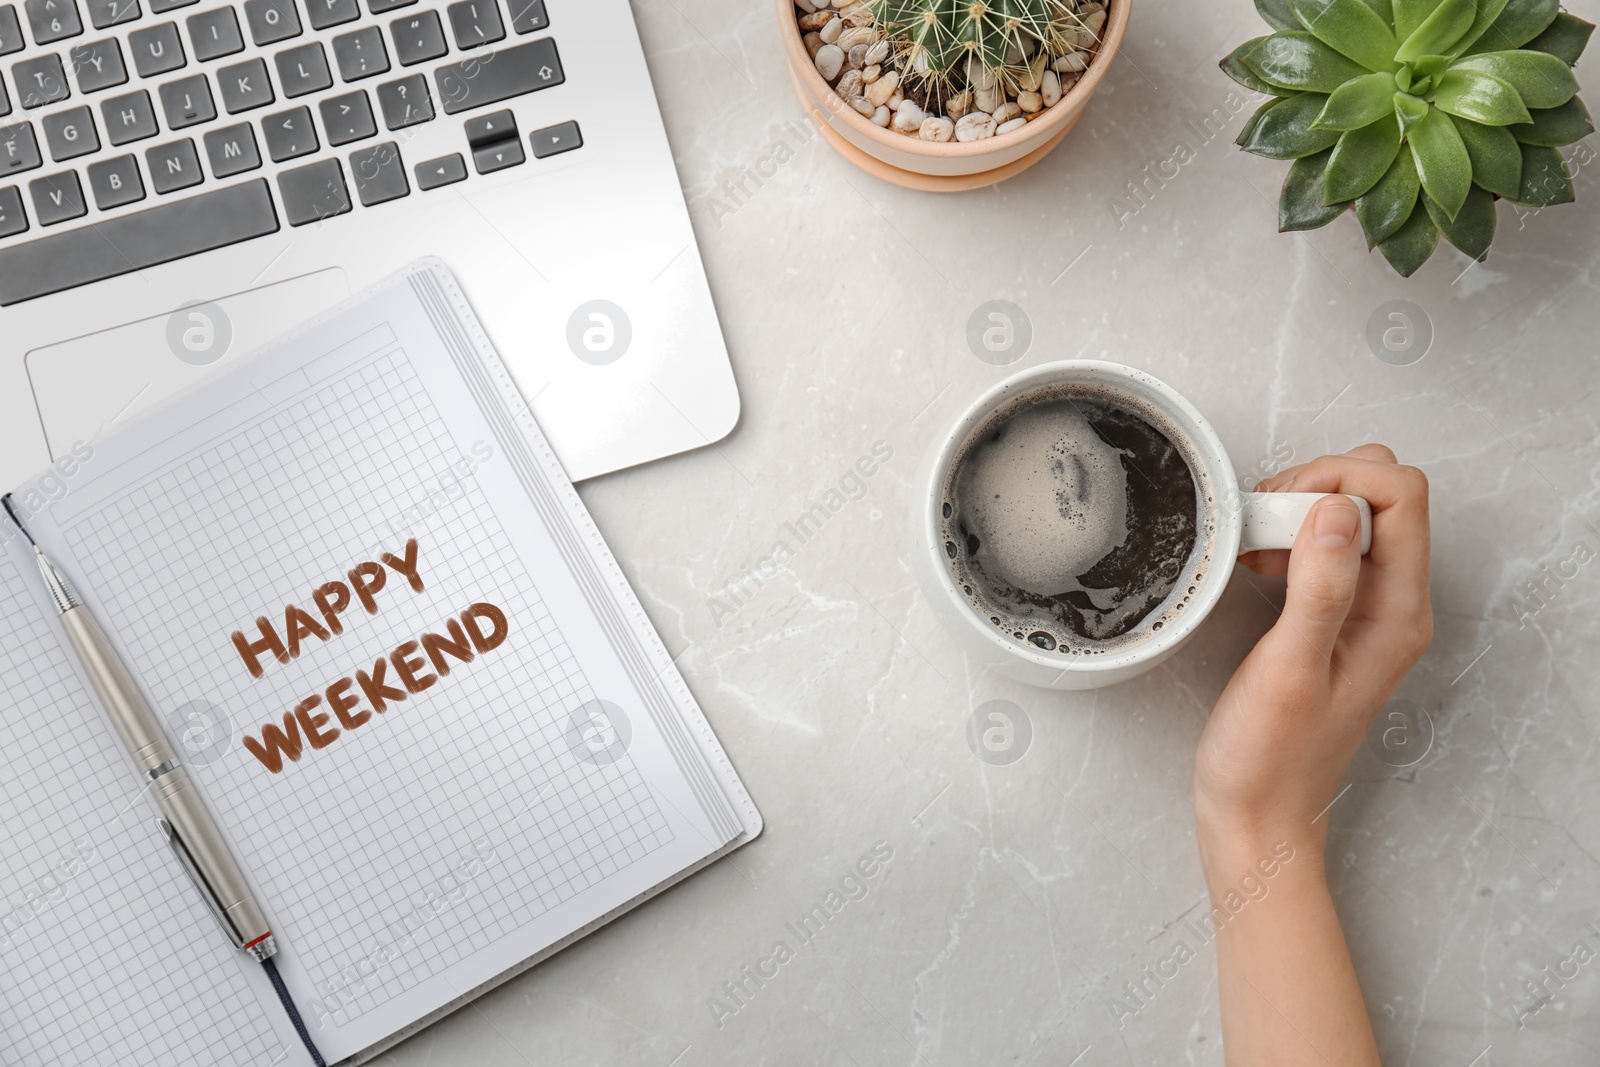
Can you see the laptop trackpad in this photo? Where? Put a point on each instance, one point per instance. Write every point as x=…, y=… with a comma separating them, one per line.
x=86, y=385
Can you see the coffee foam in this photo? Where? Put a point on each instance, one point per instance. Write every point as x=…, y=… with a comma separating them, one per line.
x=1040, y=533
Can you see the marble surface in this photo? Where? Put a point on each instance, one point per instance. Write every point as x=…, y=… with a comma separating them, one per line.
x=1020, y=899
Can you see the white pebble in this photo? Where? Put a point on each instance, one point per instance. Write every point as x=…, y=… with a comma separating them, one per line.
x=936, y=128
x=882, y=115
x=1029, y=102
x=1014, y=124
x=830, y=60
x=897, y=99
x=1050, y=88
x=858, y=57
x=974, y=127
x=909, y=118
x=1006, y=112
x=830, y=33
x=881, y=90
x=989, y=99
x=858, y=35
x=877, y=53
x=979, y=76
x=805, y=5
x=1072, y=62
x=871, y=74
x=863, y=105
x=959, y=105
x=850, y=85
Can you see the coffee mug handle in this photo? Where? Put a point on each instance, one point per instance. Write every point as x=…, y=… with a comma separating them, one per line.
x=1272, y=520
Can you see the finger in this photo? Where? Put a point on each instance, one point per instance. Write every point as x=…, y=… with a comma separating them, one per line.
x=1399, y=499
x=1324, y=568
x=1373, y=451
x=1269, y=562
x=1276, y=483
x=1280, y=482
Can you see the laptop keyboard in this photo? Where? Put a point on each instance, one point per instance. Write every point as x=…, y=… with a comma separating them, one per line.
x=146, y=110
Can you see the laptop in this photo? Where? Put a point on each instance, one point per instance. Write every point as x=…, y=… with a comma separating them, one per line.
x=182, y=180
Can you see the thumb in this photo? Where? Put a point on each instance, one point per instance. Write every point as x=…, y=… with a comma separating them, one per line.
x=1324, y=566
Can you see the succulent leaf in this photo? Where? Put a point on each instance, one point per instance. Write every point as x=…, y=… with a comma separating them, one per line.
x=1520, y=22
x=1556, y=126
x=1254, y=120
x=1488, y=11
x=1442, y=160
x=1358, y=102
x=1410, y=109
x=1350, y=28
x=1361, y=157
x=1233, y=66
x=1300, y=205
x=1384, y=9
x=1472, y=230
x=1410, y=246
x=1408, y=15
x=1441, y=29
x=1472, y=94
x=1277, y=14
x=1545, y=180
x=1496, y=157
x=1387, y=205
x=1297, y=60
x=1541, y=79
x=1565, y=38
x=1284, y=131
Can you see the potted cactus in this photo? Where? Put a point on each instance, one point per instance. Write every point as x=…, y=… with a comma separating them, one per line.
x=940, y=94
x=1418, y=114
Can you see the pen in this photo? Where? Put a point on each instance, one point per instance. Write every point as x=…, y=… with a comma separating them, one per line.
x=187, y=824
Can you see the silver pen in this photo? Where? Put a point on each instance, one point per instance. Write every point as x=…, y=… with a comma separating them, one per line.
x=189, y=828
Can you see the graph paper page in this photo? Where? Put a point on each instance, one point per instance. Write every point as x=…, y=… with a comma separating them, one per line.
x=107, y=954
x=414, y=844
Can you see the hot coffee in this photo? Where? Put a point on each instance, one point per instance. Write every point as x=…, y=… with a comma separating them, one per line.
x=1073, y=520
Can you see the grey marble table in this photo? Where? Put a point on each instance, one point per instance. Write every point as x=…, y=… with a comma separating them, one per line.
x=1018, y=902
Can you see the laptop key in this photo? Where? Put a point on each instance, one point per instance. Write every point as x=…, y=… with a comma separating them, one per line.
x=156, y=49
x=379, y=7
x=303, y=69
x=158, y=6
x=487, y=129
x=213, y=34
x=98, y=65
x=128, y=118
x=10, y=32
x=70, y=134
x=40, y=80
x=173, y=166
x=347, y=118
x=360, y=54
x=245, y=86
x=554, y=140
x=57, y=198
x=187, y=102
x=271, y=21
x=500, y=75
x=13, y=220
x=417, y=38
x=325, y=13
x=405, y=102
x=5, y=101
x=290, y=134
x=115, y=182
x=19, y=149
x=313, y=192
x=107, y=13
x=53, y=20
x=379, y=173
x=232, y=150
x=446, y=170
x=528, y=16
x=475, y=22
x=498, y=156
x=158, y=234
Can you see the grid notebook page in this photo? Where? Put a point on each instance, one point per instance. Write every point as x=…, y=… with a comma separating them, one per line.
x=107, y=954
x=450, y=771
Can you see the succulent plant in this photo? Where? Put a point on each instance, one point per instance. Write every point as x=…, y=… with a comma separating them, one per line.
x=952, y=43
x=1417, y=113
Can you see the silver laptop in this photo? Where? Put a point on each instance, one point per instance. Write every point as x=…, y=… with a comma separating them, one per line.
x=181, y=180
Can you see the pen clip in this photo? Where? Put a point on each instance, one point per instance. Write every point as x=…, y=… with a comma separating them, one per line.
x=186, y=861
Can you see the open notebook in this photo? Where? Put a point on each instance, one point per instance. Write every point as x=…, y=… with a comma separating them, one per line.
x=554, y=772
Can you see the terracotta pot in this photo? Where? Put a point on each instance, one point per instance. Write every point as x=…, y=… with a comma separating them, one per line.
x=941, y=166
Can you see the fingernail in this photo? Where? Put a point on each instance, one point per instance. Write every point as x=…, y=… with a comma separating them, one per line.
x=1336, y=524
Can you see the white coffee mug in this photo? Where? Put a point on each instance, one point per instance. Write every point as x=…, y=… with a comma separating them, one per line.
x=1244, y=522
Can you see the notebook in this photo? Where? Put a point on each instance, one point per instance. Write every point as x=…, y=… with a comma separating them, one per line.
x=476, y=755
